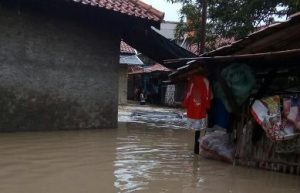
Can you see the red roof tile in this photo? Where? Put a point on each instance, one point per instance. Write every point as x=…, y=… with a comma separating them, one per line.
x=126, y=49
x=154, y=68
x=132, y=69
x=135, y=8
x=220, y=42
x=157, y=68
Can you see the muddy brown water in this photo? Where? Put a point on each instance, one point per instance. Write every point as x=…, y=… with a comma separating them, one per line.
x=133, y=158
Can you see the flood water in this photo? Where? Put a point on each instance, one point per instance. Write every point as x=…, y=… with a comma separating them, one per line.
x=137, y=157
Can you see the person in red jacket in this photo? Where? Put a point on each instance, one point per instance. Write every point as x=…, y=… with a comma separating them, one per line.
x=197, y=103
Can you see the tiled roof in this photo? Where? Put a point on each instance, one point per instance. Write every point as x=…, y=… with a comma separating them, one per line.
x=154, y=68
x=157, y=68
x=134, y=68
x=126, y=49
x=134, y=8
x=128, y=55
x=220, y=42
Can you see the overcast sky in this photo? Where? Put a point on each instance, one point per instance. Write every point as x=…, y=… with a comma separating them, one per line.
x=171, y=10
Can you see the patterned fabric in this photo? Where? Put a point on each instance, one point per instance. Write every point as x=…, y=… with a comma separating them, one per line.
x=273, y=104
x=292, y=111
x=268, y=114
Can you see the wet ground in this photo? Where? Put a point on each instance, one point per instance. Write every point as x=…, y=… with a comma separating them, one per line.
x=150, y=152
x=153, y=116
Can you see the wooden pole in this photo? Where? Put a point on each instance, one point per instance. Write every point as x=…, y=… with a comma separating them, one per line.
x=197, y=144
x=201, y=51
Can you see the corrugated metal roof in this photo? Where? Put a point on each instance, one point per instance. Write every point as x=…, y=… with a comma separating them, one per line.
x=134, y=8
x=276, y=37
x=130, y=60
x=129, y=55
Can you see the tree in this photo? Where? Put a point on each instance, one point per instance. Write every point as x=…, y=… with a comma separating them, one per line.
x=203, y=26
x=231, y=18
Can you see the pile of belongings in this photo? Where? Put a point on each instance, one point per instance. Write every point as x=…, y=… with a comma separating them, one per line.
x=216, y=145
x=279, y=117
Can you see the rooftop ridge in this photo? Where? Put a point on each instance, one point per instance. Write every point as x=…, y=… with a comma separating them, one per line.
x=135, y=8
x=151, y=9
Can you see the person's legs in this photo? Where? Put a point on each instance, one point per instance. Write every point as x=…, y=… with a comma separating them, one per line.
x=199, y=126
x=197, y=144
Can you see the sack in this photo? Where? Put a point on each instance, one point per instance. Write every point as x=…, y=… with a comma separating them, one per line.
x=216, y=146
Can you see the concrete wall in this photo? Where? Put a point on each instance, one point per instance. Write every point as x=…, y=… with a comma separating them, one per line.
x=168, y=29
x=56, y=72
x=123, y=79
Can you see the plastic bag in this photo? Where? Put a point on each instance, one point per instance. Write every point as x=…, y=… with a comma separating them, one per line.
x=216, y=146
x=240, y=79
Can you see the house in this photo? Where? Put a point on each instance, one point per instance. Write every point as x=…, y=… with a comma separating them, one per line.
x=272, y=55
x=150, y=80
x=128, y=57
x=168, y=29
x=163, y=39
x=59, y=60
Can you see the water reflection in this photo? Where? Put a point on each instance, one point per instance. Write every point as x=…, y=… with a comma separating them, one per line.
x=155, y=160
x=150, y=155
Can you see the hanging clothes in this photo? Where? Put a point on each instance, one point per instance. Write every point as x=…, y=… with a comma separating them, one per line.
x=292, y=111
x=197, y=102
x=219, y=115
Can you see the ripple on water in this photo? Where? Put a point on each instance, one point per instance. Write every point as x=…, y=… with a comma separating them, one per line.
x=133, y=158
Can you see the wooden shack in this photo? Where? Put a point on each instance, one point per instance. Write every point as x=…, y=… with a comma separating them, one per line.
x=273, y=54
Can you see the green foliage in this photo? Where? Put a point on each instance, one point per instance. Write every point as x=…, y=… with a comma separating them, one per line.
x=232, y=18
